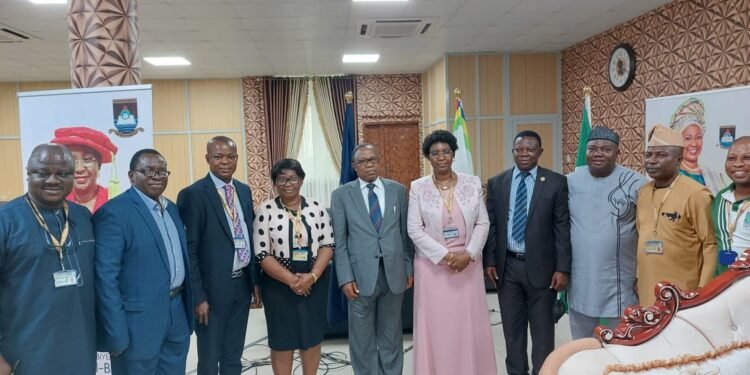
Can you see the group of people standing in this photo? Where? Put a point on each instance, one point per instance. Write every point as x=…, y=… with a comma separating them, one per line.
x=137, y=277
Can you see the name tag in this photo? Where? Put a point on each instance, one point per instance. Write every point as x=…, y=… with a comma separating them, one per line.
x=299, y=255
x=65, y=278
x=449, y=233
x=654, y=247
x=240, y=243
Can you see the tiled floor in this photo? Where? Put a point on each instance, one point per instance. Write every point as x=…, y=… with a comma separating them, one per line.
x=257, y=351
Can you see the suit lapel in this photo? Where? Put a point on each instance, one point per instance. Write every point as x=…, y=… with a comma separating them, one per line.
x=247, y=205
x=390, y=201
x=356, y=195
x=505, y=195
x=540, y=176
x=212, y=196
x=148, y=218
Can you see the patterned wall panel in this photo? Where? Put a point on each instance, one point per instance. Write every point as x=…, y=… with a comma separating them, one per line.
x=684, y=46
x=103, y=36
x=386, y=98
x=258, y=168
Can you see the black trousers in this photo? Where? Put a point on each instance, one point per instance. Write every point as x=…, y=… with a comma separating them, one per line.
x=222, y=341
x=523, y=306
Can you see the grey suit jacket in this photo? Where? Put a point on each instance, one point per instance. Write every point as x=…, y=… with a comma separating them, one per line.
x=359, y=245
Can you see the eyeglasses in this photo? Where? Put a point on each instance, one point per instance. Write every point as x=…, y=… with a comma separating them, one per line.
x=150, y=173
x=220, y=157
x=437, y=154
x=86, y=162
x=521, y=150
x=366, y=162
x=288, y=181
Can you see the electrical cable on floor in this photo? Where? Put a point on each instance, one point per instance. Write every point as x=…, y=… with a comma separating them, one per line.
x=500, y=320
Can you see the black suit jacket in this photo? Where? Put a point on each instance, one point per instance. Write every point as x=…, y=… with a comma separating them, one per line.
x=547, y=229
x=211, y=242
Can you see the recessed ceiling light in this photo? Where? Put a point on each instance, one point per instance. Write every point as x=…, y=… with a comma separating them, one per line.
x=371, y=58
x=49, y=1
x=167, y=61
x=379, y=1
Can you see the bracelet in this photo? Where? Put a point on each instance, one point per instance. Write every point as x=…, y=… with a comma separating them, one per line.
x=315, y=277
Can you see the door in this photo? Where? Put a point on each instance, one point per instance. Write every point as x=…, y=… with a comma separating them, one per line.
x=399, y=149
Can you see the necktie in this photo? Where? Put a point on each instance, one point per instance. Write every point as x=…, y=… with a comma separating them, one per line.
x=519, y=212
x=243, y=252
x=375, y=215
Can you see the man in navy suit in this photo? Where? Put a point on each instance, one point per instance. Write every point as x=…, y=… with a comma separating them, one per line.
x=144, y=301
x=527, y=254
x=218, y=214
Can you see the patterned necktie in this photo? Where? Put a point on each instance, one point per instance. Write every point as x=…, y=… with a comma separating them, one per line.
x=243, y=252
x=375, y=215
x=519, y=212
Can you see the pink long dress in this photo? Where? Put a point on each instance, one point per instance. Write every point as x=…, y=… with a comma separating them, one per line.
x=452, y=334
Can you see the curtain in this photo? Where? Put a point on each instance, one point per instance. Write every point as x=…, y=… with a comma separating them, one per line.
x=322, y=176
x=321, y=88
x=339, y=87
x=277, y=95
x=296, y=117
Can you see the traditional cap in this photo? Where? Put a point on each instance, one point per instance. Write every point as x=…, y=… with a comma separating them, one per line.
x=661, y=135
x=87, y=137
x=605, y=133
x=688, y=113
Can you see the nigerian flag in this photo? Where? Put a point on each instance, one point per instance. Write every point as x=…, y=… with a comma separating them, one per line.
x=462, y=161
x=585, y=130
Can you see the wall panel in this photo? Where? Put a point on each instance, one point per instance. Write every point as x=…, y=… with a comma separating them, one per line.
x=174, y=148
x=169, y=105
x=533, y=84
x=491, y=85
x=462, y=70
x=8, y=110
x=43, y=86
x=11, y=169
x=492, y=145
x=437, y=92
x=215, y=104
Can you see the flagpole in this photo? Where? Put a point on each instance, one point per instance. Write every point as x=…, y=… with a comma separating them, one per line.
x=587, y=91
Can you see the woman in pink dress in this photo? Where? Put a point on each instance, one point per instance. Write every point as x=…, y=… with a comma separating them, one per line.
x=448, y=224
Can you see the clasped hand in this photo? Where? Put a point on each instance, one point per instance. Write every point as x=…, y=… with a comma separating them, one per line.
x=458, y=260
x=301, y=284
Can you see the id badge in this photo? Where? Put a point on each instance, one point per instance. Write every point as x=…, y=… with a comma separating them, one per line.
x=449, y=233
x=299, y=255
x=65, y=278
x=654, y=247
x=240, y=243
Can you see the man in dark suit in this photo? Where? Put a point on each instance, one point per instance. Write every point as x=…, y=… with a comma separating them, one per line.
x=144, y=301
x=528, y=251
x=218, y=215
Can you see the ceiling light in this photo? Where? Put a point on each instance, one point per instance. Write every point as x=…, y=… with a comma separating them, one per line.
x=167, y=61
x=371, y=58
x=49, y=1
x=379, y=1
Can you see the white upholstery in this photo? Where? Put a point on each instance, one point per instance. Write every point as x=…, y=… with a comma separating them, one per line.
x=718, y=322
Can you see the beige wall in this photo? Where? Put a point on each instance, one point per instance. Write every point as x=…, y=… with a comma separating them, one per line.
x=186, y=114
x=502, y=93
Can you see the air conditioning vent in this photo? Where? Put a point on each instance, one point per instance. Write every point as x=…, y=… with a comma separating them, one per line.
x=395, y=28
x=10, y=34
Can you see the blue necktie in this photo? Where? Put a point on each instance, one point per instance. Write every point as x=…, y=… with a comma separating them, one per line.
x=375, y=215
x=519, y=212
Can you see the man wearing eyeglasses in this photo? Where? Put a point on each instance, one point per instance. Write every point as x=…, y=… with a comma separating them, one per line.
x=47, y=321
x=373, y=262
x=218, y=215
x=144, y=299
x=527, y=254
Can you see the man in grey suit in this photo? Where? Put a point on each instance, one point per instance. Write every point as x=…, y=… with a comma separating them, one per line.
x=373, y=262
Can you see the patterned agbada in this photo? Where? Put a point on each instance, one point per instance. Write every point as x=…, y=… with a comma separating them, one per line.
x=685, y=229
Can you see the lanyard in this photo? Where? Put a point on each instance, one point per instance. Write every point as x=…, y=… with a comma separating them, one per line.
x=57, y=243
x=449, y=201
x=657, y=211
x=232, y=212
x=733, y=225
x=296, y=219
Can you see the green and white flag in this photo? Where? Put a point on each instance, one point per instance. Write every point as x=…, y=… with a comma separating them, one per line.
x=585, y=130
x=462, y=161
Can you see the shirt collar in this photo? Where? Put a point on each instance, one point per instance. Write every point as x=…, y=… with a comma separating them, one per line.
x=218, y=182
x=532, y=172
x=150, y=203
x=378, y=184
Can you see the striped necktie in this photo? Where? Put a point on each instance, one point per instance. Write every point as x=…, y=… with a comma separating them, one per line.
x=243, y=253
x=520, y=213
x=375, y=215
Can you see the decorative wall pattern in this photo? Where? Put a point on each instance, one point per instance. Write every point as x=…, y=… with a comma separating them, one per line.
x=388, y=98
x=258, y=167
x=684, y=46
x=104, y=48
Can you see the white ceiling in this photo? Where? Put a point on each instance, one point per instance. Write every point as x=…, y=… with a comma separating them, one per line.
x=233, y=38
